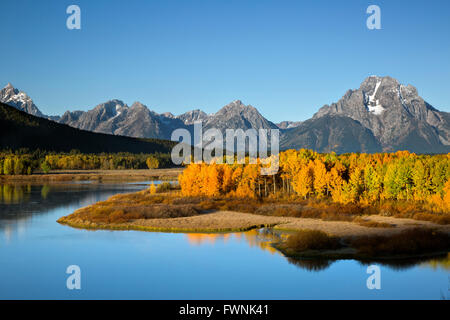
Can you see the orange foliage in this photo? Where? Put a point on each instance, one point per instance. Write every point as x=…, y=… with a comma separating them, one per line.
x=348, y=178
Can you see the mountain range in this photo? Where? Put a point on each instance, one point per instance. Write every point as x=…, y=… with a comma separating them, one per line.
x=381, y=115
x=18, y=129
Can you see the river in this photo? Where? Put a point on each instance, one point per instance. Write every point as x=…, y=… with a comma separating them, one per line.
x=35, y=252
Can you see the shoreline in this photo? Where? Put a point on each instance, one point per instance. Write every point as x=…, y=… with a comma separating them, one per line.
x=315, y=236
x=232, y=221
x=218, y=223
x=127, y=175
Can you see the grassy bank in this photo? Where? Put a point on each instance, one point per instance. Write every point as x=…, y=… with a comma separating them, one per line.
x=162, y=209
x=410, y=243
x=181, y=226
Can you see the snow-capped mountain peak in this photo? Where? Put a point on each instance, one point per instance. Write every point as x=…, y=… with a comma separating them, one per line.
x=19, y=100
x=373, y=104
x=396, y=115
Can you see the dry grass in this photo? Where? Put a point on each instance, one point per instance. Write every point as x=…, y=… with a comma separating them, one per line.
x=128, y=207
x=166, y=203
x=223, y=221
x=412, y=210
x=372, y=224
x=408, y=242
x=324, y=209
x=305, y=240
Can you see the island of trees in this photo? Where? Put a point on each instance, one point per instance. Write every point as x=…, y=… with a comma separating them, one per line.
x=362, y=179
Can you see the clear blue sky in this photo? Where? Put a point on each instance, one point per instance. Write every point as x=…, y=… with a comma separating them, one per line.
x=287, y=58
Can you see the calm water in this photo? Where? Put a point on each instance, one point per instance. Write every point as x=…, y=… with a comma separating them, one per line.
x=35, y=252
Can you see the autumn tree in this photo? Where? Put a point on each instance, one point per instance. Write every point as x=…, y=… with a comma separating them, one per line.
x=152, y=188
x=152, y=163
x=303, y=181
x=45, y=166
x=320, y=181
x=373, y=184
x=227, y=179
x=346, y=178
x=421, y=180
x=212, y=180
x=8, y=166
x=398, y=181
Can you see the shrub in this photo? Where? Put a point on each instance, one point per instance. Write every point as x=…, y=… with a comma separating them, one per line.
x=371, y=223
x=152, y=162
x=412, y=241
x=164, y=187
x=312, y=240
x=45, y=167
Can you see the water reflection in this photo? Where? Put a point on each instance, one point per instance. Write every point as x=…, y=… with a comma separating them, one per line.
x=265, y=238
x=311, y=265
x=13, y=194
x=40, y=198
x=409, y=263
x=259, y=238
x=435, y=264
x=20, y=202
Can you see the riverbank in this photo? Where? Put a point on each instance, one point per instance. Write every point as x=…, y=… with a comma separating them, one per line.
x=227, y=221
x=413, y=243
x=96, y=175
x=169, y=212
x=346, y=232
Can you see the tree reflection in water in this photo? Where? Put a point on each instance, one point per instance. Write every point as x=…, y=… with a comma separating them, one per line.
x=265, y=237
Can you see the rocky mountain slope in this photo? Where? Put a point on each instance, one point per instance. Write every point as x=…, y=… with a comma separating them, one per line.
x=236, y=115
x=396, y=115
x=115, y=117
x=381, y=115
x=19, y=129
x=331, y=133
x=288, y=124
x=19, y=100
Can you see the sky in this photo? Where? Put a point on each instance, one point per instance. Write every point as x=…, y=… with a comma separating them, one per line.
x=286, y=58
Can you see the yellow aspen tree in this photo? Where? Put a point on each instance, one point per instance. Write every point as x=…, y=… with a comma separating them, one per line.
x=227, y=179
x=303, y=181
x=152, y=188
x=212, y=187
x=320, y=178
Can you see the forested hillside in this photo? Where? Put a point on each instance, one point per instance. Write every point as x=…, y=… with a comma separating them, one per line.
x=19, y=129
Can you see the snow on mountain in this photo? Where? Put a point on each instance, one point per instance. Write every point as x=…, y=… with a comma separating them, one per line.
x=19, y=100
x=374, y=105
x=381, y=115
